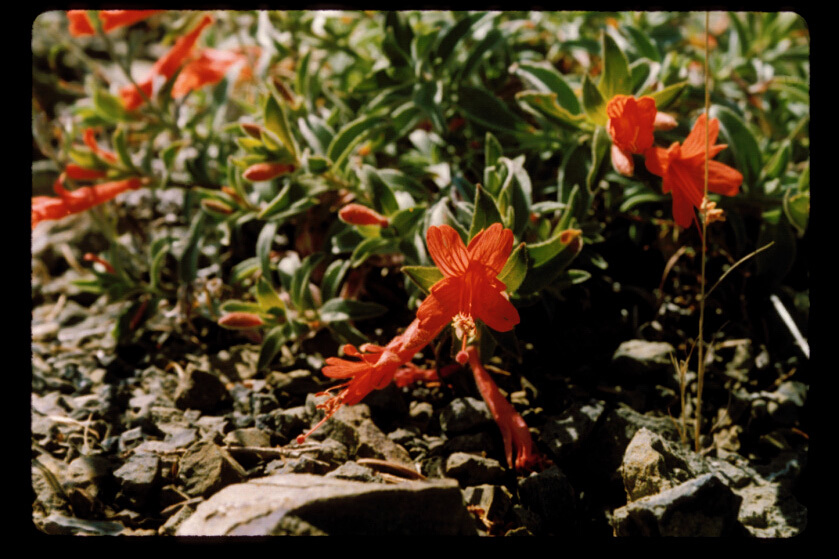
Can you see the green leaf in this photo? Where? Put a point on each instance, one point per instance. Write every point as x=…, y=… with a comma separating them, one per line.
x=546, y=79
x=267, y=298
x=777, y=164
x=108, y=106
x=370, y=246
x=516, y=193
x=616, y=78
x=271, y=345
x=276, y=122
x=797, y=210
x=476, y=53
x=600, y=145
x=244, y=269
x=665, y=97
x=263, y=249
x=481, y=106
x=188, y=258
x=540, y=254
x=335, y=310
x=299, y=290
x=593, y=103
x=424, y=276
x=381, y=195
x=278, y=204
x=158, y=250
x=515, y=270
x=642, y=43
x=234, y=305
x=492, y=150
x=428, y=96
x=446, y=47
x=403, y=221
x=486, y=212
x=741, y=142
x=348, y=137
x=545, y=105
x=335, y=272
x=121, y=146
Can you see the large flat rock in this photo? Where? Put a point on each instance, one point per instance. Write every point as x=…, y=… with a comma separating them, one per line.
x=301, y=504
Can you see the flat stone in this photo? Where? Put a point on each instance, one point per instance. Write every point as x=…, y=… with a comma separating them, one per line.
x=205, y=468
x=471, y=469
x=306, y=504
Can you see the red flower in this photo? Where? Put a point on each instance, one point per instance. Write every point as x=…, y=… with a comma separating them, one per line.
x=682, y=169
x=514, y=431
x=166, y=66
x=209, y=68
x=111, y=19
x=241, y=320
x=356, y=214
x=376, y=368
x=47, y=208
x=89, y=137
x=630, y=125
x=470, y=288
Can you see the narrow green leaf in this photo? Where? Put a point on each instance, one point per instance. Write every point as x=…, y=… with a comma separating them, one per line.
x=593, y=103
x=546, y=79
x=490, y=40
x=600, y=145
x=446, y=47
x=665, y=97
x=797, y=209
x=267, y=298
x=348, y=137
x=777, y=164
x=299, y=290
x=486, y=212
x=335, y=310
x=278, y=204
x=741, y=142
x=424, y=276
x=263, y=249
x=370, y=246
x=234, y=305
x=271, y=346
x=479, y=105
x=616, y=78
x=335, y=272
x=515, y=270
x=276, y=122
x=545, y=105
x=642, y=43
x=108, y=106
x=381, y=195
x=121, y=146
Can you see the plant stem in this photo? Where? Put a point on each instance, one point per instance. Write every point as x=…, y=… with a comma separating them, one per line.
x=700, y=367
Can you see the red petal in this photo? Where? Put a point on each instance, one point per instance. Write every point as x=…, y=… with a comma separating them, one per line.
x=441, y=304
x=656, y=160
x=723, y=179
x=695, y=142
x=447, y=250
x=491, y=247
x=493, y=308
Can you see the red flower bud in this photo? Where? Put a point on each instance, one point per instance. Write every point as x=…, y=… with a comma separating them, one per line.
x=356, y=214
x=240, y=320
x=78, y=173
x=266, y=171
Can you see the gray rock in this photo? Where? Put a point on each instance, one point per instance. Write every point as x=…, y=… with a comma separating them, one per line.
x=472, y=442
x=199, y=390
x=306, y=504
x=420, y=413
x=464, y=414
x=549, y=495
x=138, y=476
x=703, y=506
x=652, y=465
x=355, y=472
x=248, y=437
x=373, y=443
x=494, y=501
x=640, y=357
x=205, y=468
x=471, y=469
x=562, y=435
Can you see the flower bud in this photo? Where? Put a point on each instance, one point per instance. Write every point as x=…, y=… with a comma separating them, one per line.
x=216, y=206
x=251, y=129
x=664, y=121
x=266, y=171
x=240, y=320
x=356, y=214
x=78, y=173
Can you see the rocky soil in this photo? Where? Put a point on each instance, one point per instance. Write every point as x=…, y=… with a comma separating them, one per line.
x=175, y=432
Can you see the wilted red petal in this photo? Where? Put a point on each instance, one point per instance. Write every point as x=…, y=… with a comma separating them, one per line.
x=241, y=320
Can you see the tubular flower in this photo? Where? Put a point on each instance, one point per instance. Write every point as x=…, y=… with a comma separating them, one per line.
x=209, y=68
x=630, y=125
x=376, y=368
x=266, y=171
x=89, y=137
x=682, y=169
x=48, y=208
x=514, y=430
x=166, y=66
x=356, y=214
x=470, y=288
x=111, y=19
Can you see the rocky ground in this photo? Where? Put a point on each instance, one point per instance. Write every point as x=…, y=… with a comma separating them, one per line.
x=175, y=433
